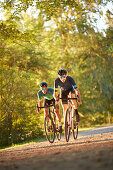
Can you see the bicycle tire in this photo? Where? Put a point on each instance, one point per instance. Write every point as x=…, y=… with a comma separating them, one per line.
x=58, y=134
x=74, y=127
x=67, y=125
x=50, y=133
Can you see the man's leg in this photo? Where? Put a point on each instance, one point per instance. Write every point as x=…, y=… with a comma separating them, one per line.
x=59, y=118
x=74, y=101
x=57, y=113
x=64, y=111
x=75, y=107
x=64, y=95
x=45, y=109
x=45, y=112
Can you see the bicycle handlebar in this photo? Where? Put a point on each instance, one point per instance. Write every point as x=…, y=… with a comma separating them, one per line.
x=69, y=98
x=44, y=106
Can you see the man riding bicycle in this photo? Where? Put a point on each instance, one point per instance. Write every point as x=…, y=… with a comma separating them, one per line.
x=67, y=86
x=47, y=93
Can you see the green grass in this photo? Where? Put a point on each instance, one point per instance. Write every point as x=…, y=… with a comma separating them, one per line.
x=23, y=143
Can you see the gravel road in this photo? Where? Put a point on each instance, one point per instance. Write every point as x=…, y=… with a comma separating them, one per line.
x=99, y=130
x=92, y=150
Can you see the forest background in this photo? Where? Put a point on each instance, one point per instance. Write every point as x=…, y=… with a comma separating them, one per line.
x=37, y=38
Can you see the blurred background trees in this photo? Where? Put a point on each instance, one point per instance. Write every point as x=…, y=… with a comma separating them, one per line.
x=39, y=37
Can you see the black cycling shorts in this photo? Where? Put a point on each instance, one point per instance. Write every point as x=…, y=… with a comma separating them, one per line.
x=49, y=102
x=64, y=95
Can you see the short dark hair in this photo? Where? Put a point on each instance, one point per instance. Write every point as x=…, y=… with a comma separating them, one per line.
x=42, y=84
x=62, y=72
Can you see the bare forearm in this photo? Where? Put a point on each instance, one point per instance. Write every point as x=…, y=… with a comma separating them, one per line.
x=78, y=93
x=40, y=103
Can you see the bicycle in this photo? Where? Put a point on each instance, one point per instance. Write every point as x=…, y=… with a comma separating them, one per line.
x=70, y=122
x=50, y=124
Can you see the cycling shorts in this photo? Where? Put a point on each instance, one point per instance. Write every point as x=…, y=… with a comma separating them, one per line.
x=64, y=95
x=49, y=102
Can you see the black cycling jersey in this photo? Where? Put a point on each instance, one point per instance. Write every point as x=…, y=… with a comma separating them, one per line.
x=68, y=84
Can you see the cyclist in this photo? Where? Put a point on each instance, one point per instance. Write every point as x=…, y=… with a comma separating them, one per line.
x=67, y=86
x=47, y=93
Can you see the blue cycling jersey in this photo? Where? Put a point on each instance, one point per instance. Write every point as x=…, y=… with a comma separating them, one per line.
x=48, y=95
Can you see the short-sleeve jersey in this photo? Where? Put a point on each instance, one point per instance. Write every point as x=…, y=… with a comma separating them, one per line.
x=68, y=84
x=48, y=95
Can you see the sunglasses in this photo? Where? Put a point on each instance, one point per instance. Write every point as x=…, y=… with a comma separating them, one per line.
x=63, y=77
x=44, y=88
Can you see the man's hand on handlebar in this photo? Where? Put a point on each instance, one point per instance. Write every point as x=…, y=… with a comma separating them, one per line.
x=38, y=109
x=79, y=101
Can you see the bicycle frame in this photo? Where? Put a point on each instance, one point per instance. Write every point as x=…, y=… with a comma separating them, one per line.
x=51, y=116
x=69, y=120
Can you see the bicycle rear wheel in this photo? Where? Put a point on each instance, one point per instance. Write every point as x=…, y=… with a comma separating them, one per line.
x=49, y=128
x=67, y=125
x=74, y=127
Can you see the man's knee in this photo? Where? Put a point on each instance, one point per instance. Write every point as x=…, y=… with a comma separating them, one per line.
x=74, y=107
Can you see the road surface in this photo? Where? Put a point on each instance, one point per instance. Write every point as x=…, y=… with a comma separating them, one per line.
x=92, y=150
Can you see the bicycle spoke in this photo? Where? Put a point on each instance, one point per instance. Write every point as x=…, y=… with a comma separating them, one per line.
x=49, y=129
x=74, y=127
x=67, y=125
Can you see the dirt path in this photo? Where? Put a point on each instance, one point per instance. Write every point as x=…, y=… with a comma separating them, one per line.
x=92, y=150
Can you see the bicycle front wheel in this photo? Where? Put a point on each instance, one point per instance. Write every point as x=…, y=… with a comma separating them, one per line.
x=74, y=127
x=49, y=129
x=67, y=125
x=58, y=133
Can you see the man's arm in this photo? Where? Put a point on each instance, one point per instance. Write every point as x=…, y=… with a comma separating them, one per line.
x=76, y=90
x=55, y=91
x=40, y=105
x=56, y=97
x=78, y=95
x=39, y=101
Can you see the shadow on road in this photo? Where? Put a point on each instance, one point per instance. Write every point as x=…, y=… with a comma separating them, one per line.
x=77, y=143
x=65, y=144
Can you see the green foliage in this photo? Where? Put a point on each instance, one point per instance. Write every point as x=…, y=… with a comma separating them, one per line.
x=17, y=116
